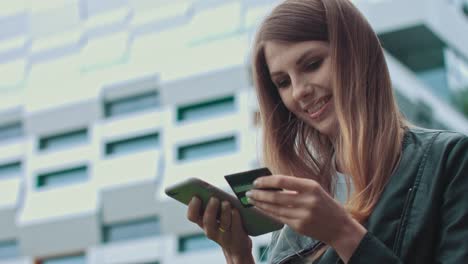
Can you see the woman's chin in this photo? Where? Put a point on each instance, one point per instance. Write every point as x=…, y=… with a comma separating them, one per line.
x=328, y=127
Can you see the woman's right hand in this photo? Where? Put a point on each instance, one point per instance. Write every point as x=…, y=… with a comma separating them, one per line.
x=228, y=232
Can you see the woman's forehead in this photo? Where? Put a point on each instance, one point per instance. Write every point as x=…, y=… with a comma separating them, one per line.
x=278, y=53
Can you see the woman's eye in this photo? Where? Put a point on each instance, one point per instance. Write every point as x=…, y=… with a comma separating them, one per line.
x=314, y=65
x=282, y=83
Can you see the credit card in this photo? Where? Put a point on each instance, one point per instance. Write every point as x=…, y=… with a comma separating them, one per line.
x=243, y=181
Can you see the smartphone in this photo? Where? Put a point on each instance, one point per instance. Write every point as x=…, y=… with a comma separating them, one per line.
x=243, y=181
x=255, y=222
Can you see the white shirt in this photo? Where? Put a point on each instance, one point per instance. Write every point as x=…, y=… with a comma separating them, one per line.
x=340, y=191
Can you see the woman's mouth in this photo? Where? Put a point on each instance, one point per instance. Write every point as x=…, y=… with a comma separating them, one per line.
x=320, y=107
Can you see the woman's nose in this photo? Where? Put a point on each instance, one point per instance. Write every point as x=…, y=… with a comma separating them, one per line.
x=301, y=91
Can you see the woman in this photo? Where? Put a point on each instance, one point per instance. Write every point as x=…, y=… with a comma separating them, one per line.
x=328, y=109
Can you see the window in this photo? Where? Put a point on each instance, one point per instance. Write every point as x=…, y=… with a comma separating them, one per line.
x=263, y=253
x=195, y=243
x=77, y=259
x=423, y=52
x=65, y=177
x=133, y=144
x=64, y=140
x=206, y=109
x=9, y=131
x=10, y=169
x=8, y=249
x=132, y=104
x=207, y=149
x=131, y=230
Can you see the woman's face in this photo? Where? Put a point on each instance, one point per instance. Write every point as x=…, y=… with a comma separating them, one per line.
x=301, y=73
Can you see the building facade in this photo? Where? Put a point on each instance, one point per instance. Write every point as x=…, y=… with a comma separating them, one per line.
x=105, y=103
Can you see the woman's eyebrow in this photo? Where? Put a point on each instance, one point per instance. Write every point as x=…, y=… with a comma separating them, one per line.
x=273, y=74
x=313, y=52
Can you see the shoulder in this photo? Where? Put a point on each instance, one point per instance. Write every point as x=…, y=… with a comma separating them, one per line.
x=437, y=152
x=444, y=154
x=437, y=141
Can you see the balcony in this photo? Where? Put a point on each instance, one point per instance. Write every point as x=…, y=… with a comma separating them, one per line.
x=10, y=189
x=57, y=214
x=127, y=181
x=145, y=250
x=51, y=114
x=19, y=260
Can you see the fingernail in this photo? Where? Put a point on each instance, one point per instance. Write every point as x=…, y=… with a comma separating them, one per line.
x=225, y=205
x=256, y=182
x=248, y=193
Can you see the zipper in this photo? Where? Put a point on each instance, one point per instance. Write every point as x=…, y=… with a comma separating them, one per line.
x=402, y=225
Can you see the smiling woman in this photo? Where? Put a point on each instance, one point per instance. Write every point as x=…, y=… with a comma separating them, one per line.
x=305, y=84
x=328, y=112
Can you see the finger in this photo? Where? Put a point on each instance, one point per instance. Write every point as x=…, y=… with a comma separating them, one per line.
x=225, y=219
x=279, y=211
x=282, y=219
x=236, y=222
x=283, y=198
x=209, y=218
x=287, y=182
x=193, y=212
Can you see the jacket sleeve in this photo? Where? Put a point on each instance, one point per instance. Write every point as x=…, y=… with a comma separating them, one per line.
x=372, y=250
x=453, y=243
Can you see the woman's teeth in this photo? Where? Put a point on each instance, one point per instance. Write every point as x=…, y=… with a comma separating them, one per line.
x=318, y=106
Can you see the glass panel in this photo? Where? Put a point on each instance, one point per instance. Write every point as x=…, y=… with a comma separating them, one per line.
x=206, y=109
x=132, y=104
x=405, y=105
x=63, y=177
x=80, y=259
x=64, y=140
x=11, y=131
x=208, y=149
x=133, y=144
x=436, y=80
x=132, y=230
x=8, y=249
x=423, y=115
x=457, y=69
x=195, y=243
x=424, y=53
x=11, y=169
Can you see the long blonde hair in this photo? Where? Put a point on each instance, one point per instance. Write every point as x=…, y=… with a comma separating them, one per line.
x=370, y=123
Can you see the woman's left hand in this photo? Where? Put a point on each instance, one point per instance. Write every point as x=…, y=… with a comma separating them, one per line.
x=307, y=208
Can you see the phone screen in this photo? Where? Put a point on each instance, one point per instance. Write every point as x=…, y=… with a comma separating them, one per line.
x=243, y=181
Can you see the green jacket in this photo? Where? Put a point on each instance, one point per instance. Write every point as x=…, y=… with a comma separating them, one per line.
x=421, y=217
